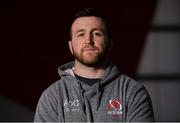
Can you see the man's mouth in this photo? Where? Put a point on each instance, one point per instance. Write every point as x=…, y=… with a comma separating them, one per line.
x=89, y=49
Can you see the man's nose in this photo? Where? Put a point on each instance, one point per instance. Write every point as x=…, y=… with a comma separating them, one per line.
x=90, y=39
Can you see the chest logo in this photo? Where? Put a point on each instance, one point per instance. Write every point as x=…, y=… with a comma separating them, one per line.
x=71, y=106
x=115, y=106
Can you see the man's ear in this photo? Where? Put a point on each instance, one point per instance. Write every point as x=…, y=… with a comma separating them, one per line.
x=70, y=46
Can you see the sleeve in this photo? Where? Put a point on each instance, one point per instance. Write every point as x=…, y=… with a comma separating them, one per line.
x=46, y=110
x=140, y=106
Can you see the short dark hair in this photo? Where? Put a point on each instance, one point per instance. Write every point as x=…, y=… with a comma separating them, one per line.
x=86, y=12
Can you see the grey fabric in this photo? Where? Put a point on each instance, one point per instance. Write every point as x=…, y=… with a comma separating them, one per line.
x=116, y=97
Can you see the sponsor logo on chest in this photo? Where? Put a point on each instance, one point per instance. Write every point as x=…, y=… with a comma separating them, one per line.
x=71, y=105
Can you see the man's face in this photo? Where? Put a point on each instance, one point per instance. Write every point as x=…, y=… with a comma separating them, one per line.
x=89, y=40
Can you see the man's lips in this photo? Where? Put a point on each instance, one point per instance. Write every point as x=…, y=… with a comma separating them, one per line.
x=89, y=49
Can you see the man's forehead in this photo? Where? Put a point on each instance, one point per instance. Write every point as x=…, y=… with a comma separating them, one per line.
x=86, y=22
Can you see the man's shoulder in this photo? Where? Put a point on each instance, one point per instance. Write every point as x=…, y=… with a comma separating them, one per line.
x=129, y=80
x=133, y=87
x=130, y=83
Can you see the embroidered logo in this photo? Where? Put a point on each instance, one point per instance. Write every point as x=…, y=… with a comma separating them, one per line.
x=115, y=107
x=71, y=106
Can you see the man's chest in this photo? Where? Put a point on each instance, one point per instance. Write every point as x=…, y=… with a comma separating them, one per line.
x=107, y=109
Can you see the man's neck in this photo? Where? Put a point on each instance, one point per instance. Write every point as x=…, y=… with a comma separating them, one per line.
x=89, y=72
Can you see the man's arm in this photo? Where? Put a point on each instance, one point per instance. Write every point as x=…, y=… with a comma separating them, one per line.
x=139, y=106
x=46, y=110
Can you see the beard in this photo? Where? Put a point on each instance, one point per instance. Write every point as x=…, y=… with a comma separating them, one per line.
x=91, y=59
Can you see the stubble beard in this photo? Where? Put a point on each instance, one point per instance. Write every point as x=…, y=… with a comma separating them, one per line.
x=97, y=59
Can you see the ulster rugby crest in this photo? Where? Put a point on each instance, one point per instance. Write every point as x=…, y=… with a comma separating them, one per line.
x=115, y=107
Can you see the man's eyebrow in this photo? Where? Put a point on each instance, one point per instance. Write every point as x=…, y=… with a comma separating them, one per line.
x=99, y=29
x=94, y=29
x=80, y=30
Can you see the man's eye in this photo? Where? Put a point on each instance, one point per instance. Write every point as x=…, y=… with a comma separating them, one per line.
x=98, y=34
x=80, y=35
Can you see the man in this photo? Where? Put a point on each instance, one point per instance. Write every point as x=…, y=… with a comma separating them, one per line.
x=91, y=88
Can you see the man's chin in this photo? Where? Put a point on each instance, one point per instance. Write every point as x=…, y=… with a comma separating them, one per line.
x=91, y=61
